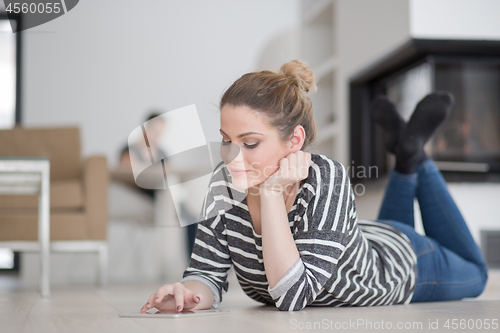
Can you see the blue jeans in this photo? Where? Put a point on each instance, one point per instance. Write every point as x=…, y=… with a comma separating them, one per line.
x=449, y=263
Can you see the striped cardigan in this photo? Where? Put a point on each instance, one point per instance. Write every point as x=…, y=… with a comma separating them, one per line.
x=343, y=261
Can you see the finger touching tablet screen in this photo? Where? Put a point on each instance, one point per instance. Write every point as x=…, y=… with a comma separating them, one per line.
x=174, y=314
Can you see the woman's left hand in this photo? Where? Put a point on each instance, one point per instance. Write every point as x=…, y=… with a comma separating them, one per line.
x=292, y=169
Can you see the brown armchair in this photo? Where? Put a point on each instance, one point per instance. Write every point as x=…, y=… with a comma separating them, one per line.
x=78, y=193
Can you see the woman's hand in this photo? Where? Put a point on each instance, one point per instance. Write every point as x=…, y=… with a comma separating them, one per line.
x=292, y=169
x=173, y=297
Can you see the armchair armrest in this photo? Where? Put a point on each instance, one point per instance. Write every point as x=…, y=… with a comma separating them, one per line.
x=95, y=185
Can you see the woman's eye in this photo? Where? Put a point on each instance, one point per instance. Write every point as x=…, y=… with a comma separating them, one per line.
x=225, y=143
x=252, y=146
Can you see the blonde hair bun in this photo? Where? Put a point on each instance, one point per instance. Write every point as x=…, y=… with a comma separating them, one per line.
x=301, y=75
x=282, y=97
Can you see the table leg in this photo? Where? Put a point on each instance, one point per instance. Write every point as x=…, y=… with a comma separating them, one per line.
x=44, y=231
x=103, y=265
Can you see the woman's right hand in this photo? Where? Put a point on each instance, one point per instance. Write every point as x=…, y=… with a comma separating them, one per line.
x=172, y=297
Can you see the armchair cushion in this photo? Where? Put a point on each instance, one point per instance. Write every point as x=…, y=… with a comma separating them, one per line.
x=64, y=194
x=24, y=227
x=61, y=145
x=95, y=185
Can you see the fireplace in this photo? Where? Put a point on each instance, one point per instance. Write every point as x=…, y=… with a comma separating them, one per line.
x=466, y=147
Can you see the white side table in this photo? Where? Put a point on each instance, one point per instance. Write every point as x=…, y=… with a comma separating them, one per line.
x=28, y=176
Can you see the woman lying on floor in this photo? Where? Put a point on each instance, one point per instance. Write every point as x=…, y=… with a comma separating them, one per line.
x=295, y=240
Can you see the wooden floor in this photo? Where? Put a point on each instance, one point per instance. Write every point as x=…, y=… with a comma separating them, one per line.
x=85, y=308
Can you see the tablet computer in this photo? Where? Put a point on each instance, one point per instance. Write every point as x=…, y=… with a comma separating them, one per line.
x=174, y=314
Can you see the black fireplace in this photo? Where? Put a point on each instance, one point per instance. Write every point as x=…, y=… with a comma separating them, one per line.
x=467, y=146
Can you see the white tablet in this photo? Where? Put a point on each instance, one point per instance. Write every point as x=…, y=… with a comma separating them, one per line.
x=173, y=314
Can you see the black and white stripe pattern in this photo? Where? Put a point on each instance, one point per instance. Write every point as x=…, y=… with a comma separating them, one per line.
x=343, y=261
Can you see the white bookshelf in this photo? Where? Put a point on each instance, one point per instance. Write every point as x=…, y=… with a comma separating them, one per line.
x=318, y=47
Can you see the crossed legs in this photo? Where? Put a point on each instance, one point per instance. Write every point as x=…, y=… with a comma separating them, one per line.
x=449, y=263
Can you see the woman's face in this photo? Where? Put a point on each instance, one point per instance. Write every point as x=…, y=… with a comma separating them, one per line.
x=250, y=148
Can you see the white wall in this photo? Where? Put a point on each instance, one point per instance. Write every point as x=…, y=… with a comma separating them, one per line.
x=455, y=19
x=104, y=64
x=368, y=30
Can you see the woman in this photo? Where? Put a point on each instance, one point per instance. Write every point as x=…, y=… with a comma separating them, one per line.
x=294, y=240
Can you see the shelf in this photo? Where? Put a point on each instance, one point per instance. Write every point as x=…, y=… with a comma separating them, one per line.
x=317, y=34
x=318, y=47
x=324, y=100
x=325, y=68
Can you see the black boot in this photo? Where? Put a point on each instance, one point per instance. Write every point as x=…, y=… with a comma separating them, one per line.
x=429, y=113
